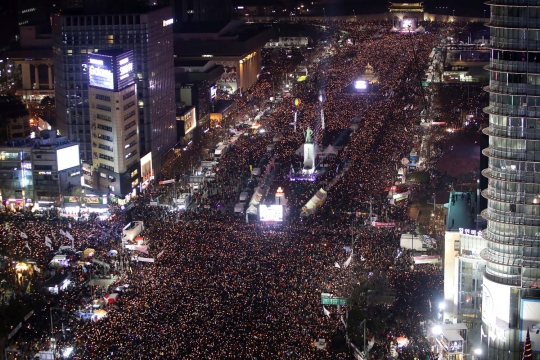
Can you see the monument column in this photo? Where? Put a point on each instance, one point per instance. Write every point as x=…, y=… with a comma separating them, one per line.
x=26, y=78
x=36, y=75
x=50, y=77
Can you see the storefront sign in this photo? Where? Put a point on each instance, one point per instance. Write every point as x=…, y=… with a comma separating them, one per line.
x=71, y=199
x=470, y=232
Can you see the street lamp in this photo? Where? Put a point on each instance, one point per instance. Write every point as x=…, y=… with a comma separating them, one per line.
x=478, y=352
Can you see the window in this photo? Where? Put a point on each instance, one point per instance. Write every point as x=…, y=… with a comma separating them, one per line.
x=105, y=147
x=106, y=167
x=131, y=124
x=129, y=94
x=104, y=127
x=105, y=137
x=103, y=107
x=134, y=173
x=129, y=104
x=133, y=153
x=103, y=97
x=106, y=157
x=104, y=117
x=130, y=135
x=130, y=114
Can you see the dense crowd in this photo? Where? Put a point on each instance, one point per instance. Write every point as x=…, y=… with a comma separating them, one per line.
x=226, y=289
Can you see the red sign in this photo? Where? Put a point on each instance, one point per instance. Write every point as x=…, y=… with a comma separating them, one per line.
x=382, y=224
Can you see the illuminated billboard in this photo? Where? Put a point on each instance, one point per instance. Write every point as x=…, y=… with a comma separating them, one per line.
x=530, y=319
x=495, y=304
x=111, y=70
x=271, y=212
x=213, y=92
x=124, y=70
x=68, y=157
x=360, y=85
x=100, y=71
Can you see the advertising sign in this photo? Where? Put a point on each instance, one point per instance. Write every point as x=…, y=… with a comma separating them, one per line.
x=382, y=224
x=100, y=71
x=213, y=92
x=125, y=70
x=71, y=199
x=111, y=71
x=271, y=212
x=530, y=319
x=68, y=157
x=495, y=304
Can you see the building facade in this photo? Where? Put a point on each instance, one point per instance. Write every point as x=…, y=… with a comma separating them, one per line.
x=114, y=123
x=149, y=34
x=38, y=172
x=511, y=299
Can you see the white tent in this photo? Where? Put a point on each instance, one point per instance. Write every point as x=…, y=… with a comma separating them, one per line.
x=331, y=151
x=252, y=210
x=257, y=196
x=315, y=202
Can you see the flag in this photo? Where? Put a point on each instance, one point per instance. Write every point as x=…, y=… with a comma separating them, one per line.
x=348, y=262
x=27, y=246
x=160, y=253
x=343, y=321
x=24, y=236
x=337, y=265
x=62, y=232
x=48, y=241
x=429, y=302
x=326, y=312
x=68, y=235
x=37, y=234
x=347, y=248
x=69, y=225
x=362, y=258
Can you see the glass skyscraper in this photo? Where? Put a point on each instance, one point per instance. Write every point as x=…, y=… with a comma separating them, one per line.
x=149, y=34
x=512, y=275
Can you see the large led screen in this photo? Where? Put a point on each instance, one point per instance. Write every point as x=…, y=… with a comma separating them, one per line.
x=530, y=319
x=125, y=70
x=360, y=85
x=68, y=157
x=271, y=212
x=495, y=304
x=100, y=71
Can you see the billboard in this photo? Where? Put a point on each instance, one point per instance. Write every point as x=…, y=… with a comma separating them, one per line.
x=213, y=92
x=68, y=157
x=111, y=70
x=271, y=212
x=530, y=319
x=100, y=71
x=124, y=70
x=360, y=85
x=495, y=304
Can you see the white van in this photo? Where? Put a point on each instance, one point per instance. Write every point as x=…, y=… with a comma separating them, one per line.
x=221, y=150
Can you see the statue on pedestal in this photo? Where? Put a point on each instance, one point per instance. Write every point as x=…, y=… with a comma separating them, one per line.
x=308, y=133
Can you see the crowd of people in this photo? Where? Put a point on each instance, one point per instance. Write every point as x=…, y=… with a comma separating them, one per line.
x=226, y=289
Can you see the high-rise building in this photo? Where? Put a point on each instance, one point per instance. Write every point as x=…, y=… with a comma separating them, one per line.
x=146, y=31
x=510, y=294
x=114, y=122
x=188, y=11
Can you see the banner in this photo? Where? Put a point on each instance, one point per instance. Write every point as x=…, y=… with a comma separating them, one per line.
x=141, y=248
x=17, y=328
x=382, y=224
x=150, y=260
x=28, y=315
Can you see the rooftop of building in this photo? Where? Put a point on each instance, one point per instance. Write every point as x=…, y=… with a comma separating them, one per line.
x=97, y=7
x=461, y=211
x=221, y=106
x=28, y=54
x=48, y=139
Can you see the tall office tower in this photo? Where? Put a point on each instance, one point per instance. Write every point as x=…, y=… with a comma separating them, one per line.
x=114, y=122
x=511, y=295
x=187, y=11
x=146, y=31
